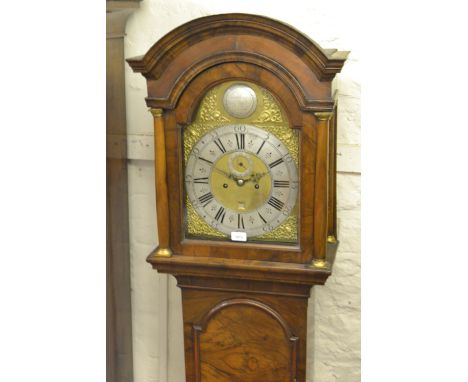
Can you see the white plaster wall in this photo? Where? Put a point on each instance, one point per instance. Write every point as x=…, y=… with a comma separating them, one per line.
x=334, y=327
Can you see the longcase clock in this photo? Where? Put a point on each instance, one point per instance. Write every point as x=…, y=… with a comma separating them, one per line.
x=245, y=147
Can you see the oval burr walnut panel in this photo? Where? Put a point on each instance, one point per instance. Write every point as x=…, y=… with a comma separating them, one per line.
x=244, y=340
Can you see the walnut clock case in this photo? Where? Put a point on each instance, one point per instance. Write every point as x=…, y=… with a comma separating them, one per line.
x=245, y=160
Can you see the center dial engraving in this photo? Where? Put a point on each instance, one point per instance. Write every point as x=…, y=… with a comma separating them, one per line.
x=247, y=178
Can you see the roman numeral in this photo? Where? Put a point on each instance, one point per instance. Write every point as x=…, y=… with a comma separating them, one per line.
x=260, y=148
x=201, y=180
x=220, y=214
x=206, y=199
x=206, y=160
x=281, y=183
x=240, y=221
x=261, y=217
x=276, y=163
x=240, y=139
x=220, y=145
x=276, y=203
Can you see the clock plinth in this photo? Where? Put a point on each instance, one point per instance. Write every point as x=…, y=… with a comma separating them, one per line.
x=245, y=164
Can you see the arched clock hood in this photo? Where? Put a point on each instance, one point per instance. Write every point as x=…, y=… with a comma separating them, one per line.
x=194, y=47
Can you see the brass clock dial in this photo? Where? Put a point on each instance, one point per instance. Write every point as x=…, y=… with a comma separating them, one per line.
x=240, y=177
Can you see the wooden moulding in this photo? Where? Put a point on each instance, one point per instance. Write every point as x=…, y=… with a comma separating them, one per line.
x=324, y=62
x=268, y=271
x=194, y=47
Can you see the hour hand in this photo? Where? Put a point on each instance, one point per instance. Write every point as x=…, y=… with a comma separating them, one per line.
x=225, y=173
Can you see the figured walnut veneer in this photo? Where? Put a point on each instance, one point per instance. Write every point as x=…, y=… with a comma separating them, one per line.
x=244, y=339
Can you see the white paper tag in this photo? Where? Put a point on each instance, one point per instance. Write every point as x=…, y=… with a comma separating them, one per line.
x=239, y=236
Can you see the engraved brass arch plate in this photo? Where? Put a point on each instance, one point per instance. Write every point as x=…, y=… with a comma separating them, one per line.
x=268, y=115
x=240, y=101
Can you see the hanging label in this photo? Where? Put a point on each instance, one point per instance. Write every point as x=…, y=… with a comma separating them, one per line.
x=239, y=236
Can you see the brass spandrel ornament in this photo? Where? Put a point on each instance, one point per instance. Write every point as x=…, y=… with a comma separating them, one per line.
x=271, y=111
x=196, y=226
x=209, y=110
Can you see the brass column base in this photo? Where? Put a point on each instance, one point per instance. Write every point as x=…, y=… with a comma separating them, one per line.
x=163, y=252
x=332, y=239
x=320, y=263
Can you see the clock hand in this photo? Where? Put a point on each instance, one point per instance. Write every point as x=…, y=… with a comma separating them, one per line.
x=261, y=175
x=253, y=177
x=226, y=174
x=257, y=177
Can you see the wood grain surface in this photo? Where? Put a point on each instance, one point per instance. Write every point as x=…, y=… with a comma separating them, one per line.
x=244, y=340
x=244, y=336
x=245, y=304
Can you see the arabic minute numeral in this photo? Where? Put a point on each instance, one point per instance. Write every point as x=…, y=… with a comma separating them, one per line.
x=267, y=227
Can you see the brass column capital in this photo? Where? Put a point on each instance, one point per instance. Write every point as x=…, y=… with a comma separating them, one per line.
x=323, y=115
x=157, y=113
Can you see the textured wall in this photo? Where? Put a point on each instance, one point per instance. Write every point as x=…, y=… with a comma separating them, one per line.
x=334, y=328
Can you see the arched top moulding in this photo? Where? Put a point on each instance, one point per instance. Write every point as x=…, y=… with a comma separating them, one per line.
x=178, y=57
